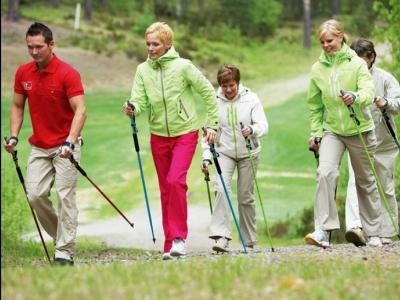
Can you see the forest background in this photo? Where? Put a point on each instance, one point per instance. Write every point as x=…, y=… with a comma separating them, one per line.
x=268, y=40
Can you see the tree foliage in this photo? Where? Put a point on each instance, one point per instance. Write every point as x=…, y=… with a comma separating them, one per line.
x=389, y=13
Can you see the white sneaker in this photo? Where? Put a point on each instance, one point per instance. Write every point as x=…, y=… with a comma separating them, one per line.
x=178, y=248
x=221, y=245
x=318, y=238
x=374, y=241
x=386, y=240
x=167, y=256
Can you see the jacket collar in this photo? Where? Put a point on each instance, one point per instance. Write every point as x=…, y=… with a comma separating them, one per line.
x=162, y=60
x=345, y=53
x=241, y=92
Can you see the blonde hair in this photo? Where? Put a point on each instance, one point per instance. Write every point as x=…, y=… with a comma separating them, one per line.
x=334, y=27
x=163, y=30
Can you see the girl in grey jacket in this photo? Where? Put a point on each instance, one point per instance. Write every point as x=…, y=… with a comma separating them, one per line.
x=241, y=117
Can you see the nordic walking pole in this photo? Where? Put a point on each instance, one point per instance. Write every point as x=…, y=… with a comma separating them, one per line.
x=136, y=142
x=79, y=168
x=316, y=153
x=377, y=180
x=389, y=127
x=248, y=146
x=21, y=179
x=207, y=180
x=218, y=167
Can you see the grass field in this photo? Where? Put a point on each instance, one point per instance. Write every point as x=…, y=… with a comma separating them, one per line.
x=101, y=273
x=286, y=179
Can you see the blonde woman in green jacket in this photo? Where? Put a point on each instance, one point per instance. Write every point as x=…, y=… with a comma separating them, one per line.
x=340, y=85
x=164, y=85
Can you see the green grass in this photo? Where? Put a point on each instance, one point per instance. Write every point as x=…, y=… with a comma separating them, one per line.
x=131, y=274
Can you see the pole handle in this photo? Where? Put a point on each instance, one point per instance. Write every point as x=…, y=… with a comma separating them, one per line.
x=215, y=158
x=134, y=131
x=351, y=110
x=248, y=145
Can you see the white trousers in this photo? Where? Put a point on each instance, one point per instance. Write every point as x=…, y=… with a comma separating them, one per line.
x=221, y=219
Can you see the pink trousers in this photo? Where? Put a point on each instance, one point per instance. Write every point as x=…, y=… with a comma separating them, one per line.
x=172, y=158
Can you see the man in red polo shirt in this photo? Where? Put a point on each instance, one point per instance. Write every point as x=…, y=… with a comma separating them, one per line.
x=57, y=109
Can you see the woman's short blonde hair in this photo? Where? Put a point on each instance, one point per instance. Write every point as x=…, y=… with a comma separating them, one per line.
x=163, y=30
x=334, y=27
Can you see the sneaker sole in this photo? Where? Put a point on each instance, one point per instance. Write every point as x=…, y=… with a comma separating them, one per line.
x=354, y=238
x=182, y=257
x=310, y=241
x=220, y=249
x=177, y=254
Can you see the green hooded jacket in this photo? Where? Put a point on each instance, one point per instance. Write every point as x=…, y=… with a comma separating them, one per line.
x=166, y=87
x=344, y=70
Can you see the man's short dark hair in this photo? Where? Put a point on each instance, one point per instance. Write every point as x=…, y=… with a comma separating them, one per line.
x=40, y=29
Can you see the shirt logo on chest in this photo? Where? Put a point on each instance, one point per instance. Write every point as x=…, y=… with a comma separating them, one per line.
x=27, y=85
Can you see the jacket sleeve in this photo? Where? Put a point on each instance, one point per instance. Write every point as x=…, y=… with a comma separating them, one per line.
x=205, y=89
x=365, y=92
x=258, y=118
x=316, y=109
x=138, y=94
x=392, y=94
x=206, y=150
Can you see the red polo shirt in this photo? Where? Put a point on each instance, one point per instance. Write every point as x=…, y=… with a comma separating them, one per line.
x=48, y=91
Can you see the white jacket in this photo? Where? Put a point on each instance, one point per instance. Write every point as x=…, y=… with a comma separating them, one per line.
x=386, y=86
x=245, y=108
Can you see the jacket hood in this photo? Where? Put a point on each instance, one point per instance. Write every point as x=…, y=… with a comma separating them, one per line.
x=241, y=92
x=344, y=53
x=168, y=56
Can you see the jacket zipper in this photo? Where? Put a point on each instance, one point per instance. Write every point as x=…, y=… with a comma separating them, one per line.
x=232, y=121
x=165, y=103
x=183, y=108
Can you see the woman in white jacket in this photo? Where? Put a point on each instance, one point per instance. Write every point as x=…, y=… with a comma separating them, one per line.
x=241, y=117
x=387, y=103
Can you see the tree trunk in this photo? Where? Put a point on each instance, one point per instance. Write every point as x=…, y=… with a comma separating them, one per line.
x=307, y=24
x=335, y=7
x=87, y=4
x=13, y=10
x=103, y=4
x=160, y=8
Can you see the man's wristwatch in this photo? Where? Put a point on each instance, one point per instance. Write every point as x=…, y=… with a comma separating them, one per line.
x=70, y=145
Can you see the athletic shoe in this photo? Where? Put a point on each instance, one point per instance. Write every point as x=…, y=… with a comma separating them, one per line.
x=374, y=241
x=58, y=261
x=178, y=248
x=250, y=248
x=386, y=240
x=166, y=256
x=318, y=238
x=355, y=236
x=221, y=245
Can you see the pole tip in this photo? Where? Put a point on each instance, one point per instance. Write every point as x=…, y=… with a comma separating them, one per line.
x=154, y=240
